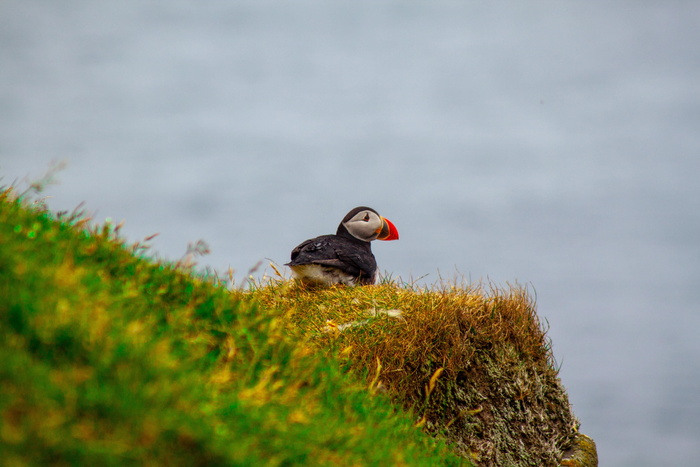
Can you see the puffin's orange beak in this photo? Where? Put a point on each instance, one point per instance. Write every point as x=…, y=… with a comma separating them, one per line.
x=388, y=231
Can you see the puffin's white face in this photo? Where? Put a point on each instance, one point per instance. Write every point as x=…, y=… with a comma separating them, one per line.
x=365, y=225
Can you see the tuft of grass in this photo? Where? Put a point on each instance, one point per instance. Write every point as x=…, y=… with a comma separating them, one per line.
x=471, y=363
x=111, y=358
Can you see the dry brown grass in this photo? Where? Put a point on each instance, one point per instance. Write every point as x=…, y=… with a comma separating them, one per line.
x=472, y=363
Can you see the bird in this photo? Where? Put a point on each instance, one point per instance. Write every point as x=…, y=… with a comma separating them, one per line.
x=346, y=257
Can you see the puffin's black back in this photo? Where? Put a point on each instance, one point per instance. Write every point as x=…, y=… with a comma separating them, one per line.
x=350, y=255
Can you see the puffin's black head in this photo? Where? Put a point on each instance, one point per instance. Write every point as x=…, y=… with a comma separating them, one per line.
x=366, y=224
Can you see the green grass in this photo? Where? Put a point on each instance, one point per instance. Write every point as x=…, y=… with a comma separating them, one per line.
x=110, y=358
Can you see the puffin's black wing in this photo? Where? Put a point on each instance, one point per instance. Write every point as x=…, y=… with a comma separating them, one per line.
x=351, y=257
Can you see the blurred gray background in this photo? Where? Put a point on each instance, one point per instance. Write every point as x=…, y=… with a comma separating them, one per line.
x=556, y=144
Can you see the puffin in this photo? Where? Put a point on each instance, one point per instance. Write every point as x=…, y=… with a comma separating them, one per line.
x=346, y=257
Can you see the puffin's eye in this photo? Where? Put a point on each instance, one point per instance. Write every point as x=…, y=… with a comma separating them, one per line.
x=366, y=218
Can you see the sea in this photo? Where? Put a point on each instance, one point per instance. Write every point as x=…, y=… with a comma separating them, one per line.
x=550, y=145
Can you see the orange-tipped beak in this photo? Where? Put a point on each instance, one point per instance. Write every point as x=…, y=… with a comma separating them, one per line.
x=388, y=231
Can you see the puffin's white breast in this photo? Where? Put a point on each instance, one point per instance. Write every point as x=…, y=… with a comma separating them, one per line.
x=323, y=275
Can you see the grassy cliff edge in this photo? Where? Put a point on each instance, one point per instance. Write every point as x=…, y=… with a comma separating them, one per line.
x=110, y=357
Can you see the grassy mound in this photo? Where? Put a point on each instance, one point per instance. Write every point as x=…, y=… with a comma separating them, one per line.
x=474, y=367
x=108, y=357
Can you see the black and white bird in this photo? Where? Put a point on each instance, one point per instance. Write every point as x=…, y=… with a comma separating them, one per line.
x=346, y=257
